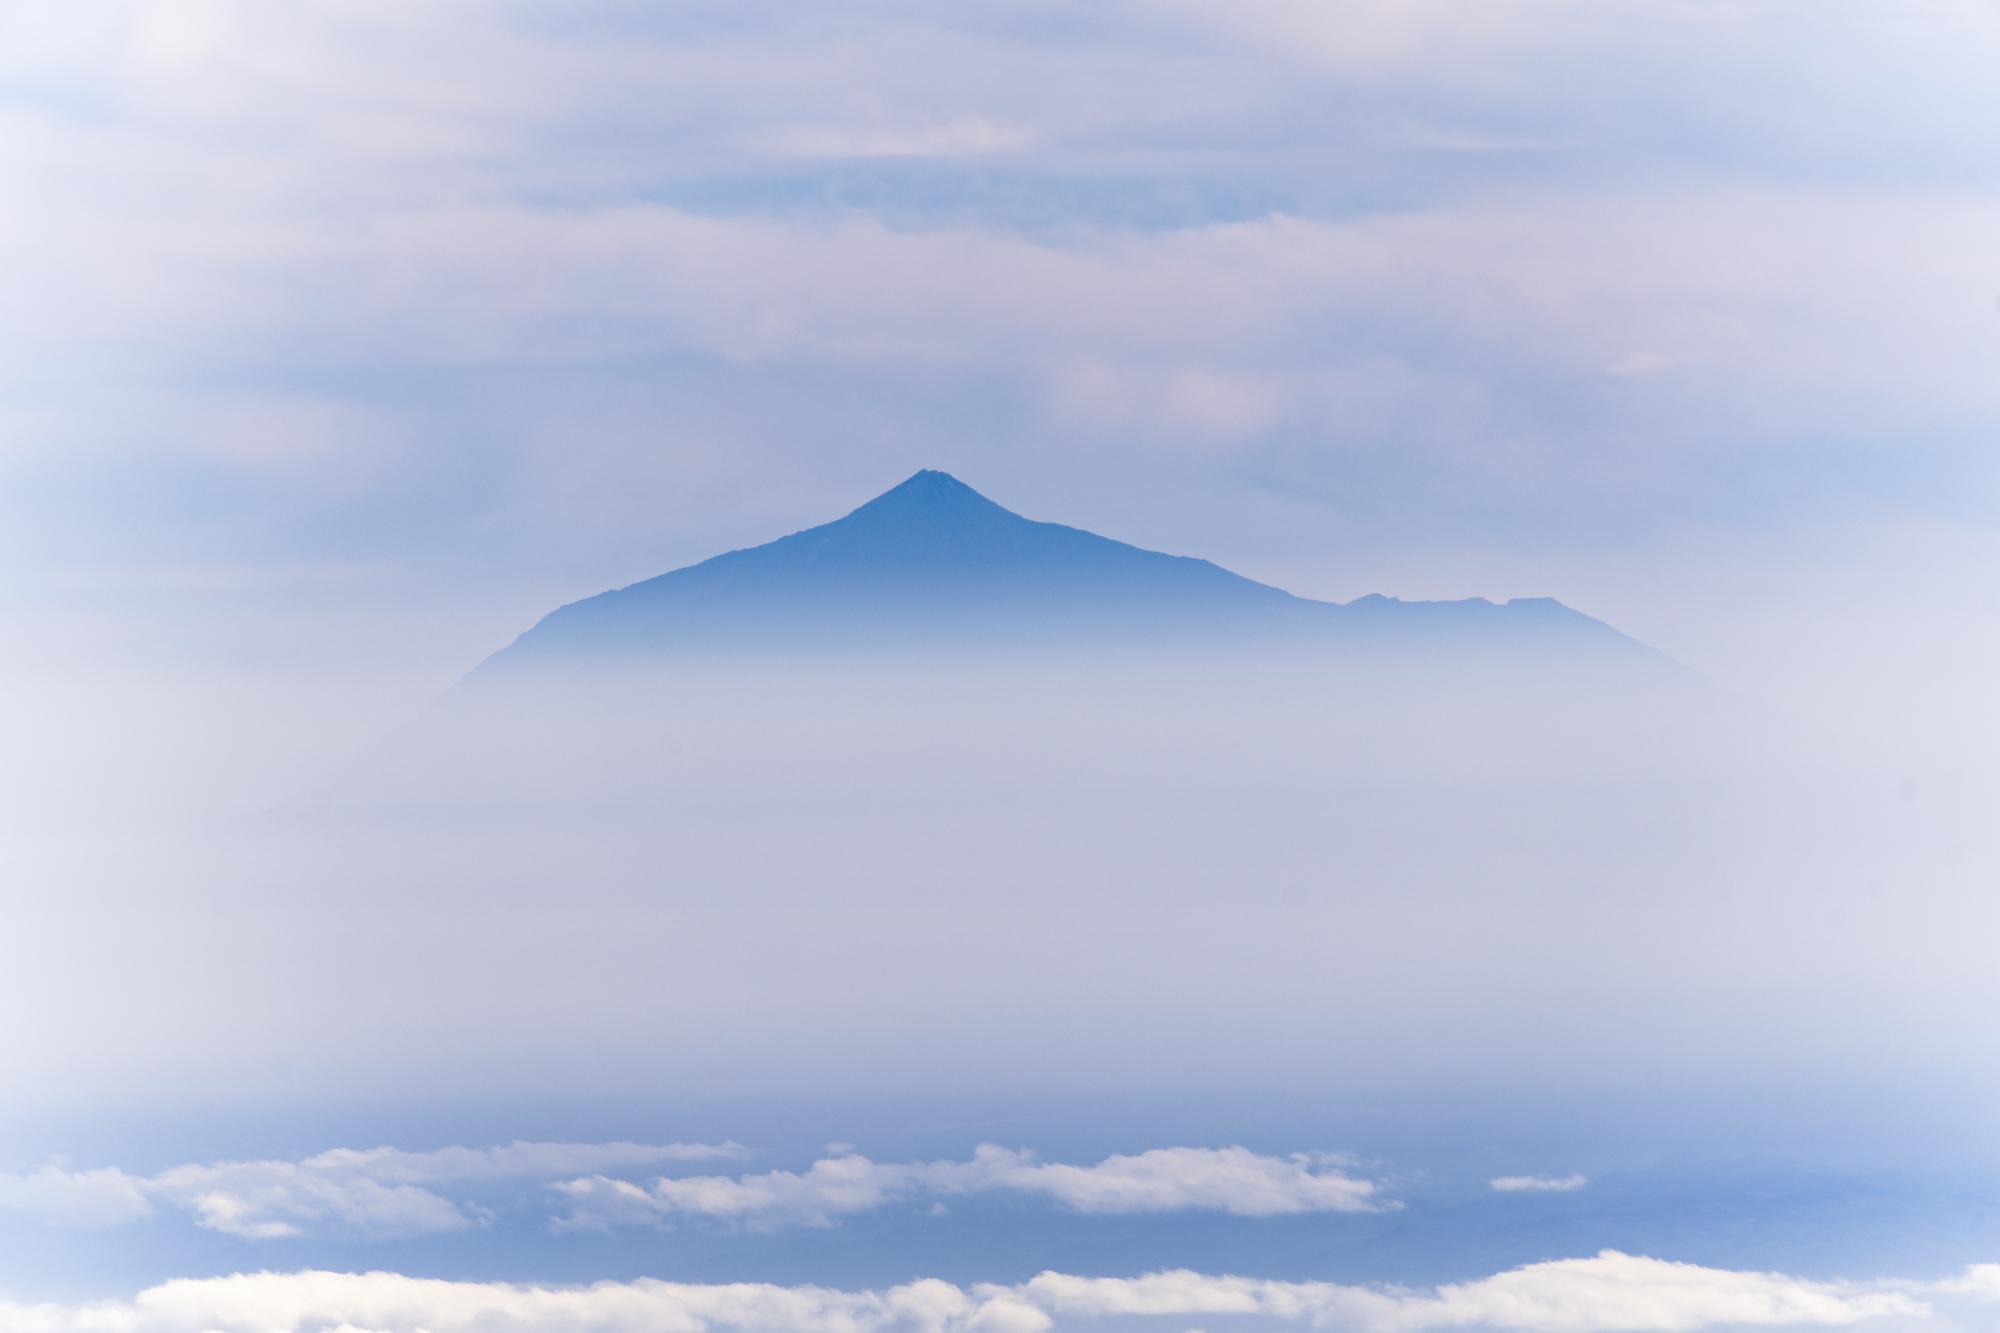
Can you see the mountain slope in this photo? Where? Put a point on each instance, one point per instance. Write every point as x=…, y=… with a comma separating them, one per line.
x=933, y=562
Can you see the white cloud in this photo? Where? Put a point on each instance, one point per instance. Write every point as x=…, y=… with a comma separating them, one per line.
x=388, y=1193
x=828, y=1189
x=270, y=1200
x=320, y=1302
x=96, y=1198
x=1231, y=1180
x=1627, y=1292
x=373, y=1193
x=1981, y=1280
x=1538, y=1184
x=1611, y=1291
x=515, y=1160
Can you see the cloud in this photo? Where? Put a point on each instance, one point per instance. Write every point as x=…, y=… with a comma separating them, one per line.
x=322, y=1302
x=1538, y=1184
x=390, y=1193
x=272, y=1200
x=257, y=198
x=1627, y=1292
x=1229, y=1180
x=515, y=1160
x=962, y=136
x=102, y=1197
x=1234, y=316
x=1610, y=1291
x=1781, y=311
x=830, y=1188
x=386, y=1193
x=1379, y=40
x=371, y=1193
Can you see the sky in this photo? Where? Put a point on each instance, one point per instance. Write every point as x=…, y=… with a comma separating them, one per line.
x=354, y=325
x=340, y=342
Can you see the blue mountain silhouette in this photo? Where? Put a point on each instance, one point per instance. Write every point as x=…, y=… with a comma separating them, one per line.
x=934, y=562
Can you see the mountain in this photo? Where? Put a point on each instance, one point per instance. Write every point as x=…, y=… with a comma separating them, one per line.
x=932, y=646
x=933, y=563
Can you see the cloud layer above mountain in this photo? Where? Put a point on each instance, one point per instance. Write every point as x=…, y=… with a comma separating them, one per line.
x=499, y=280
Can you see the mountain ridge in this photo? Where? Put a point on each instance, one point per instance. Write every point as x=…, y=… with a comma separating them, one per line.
x=933, y=561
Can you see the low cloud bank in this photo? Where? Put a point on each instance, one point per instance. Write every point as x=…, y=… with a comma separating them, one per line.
x=1610, y=1291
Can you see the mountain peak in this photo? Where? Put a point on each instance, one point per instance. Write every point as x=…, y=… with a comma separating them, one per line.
x=932, y=561
x=930, y=496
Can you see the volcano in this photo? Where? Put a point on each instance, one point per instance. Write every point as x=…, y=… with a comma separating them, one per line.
x=932, y=563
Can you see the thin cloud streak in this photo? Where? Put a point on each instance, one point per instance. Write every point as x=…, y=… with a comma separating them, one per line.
x=383, y=1194
x=1228, y=1180
x=368, y=1193
x=1538, y=1184
x=962, y=136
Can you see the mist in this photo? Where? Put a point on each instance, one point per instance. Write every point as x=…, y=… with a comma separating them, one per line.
x=1053, y=873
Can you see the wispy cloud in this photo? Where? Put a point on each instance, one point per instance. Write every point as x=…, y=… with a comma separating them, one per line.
x=1538, y=1184
x=1229, y=1180
x=388, y=1193
x=478, y=189
x=1610, y=1291
x=961, y=136
x=371, y=1193
x=99, y=1197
